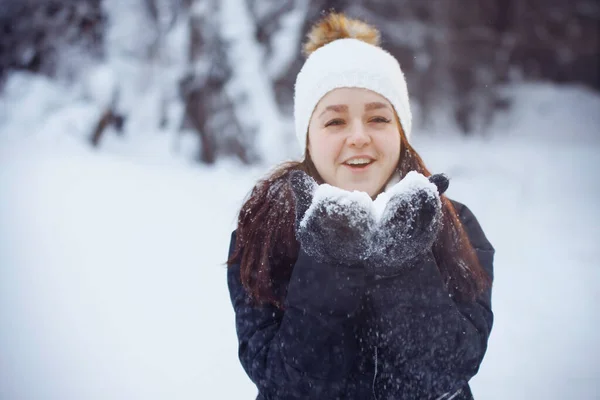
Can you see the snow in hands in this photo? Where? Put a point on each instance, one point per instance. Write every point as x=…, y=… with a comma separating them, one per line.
x=412, y=184
x=334, y=227
x=409, y=222
x=338, y=226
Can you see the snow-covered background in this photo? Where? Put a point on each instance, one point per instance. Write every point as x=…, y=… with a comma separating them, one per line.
x=112, y=276
x=112, y=284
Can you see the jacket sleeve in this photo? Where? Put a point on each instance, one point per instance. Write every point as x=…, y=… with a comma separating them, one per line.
x=307, y=349
x=438, y=343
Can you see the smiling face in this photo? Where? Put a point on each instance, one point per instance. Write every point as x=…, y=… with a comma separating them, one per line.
x=354, y=140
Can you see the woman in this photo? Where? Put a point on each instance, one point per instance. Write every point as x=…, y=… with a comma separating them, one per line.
x=351, y=275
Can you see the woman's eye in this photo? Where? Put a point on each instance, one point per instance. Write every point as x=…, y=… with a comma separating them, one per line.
x=380, y=119
x=335, y=122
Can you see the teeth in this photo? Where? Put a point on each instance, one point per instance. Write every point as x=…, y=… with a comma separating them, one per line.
x=358, y=161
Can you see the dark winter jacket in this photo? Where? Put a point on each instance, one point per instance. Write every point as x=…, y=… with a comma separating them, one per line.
x=345, y=335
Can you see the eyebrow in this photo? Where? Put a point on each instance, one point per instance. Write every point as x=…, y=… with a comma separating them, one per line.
x=375, y=106
x=344, y=108
x=337, y=108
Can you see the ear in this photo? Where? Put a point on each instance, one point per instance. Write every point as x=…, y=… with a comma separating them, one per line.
x=441, y=181
x=303, y=187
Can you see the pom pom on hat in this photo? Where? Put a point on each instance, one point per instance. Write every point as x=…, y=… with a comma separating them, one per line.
x=344, y=52
x=338, y=26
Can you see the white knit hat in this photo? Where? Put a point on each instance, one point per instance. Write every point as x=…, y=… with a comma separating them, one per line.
x=348, y=63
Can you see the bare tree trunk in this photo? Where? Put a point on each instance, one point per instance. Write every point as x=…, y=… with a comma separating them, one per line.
x=208, y=109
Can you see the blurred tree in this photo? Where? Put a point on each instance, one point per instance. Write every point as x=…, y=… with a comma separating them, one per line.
x=235, y=75
x=209, y=110
x=45, y=36
x=556, y=40
x=455, y=53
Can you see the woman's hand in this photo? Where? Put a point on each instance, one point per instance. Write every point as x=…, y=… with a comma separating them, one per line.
x=339, y=227
x=409, y=223
x=333, y=225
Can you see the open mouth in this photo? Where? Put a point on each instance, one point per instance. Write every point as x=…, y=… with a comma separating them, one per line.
x=359, y=163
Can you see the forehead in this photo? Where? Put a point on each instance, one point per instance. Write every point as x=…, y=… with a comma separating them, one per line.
x=351, y=96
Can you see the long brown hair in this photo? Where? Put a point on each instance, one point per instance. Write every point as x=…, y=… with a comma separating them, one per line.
x=266, y=245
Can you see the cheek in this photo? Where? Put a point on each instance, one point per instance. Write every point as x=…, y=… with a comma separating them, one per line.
x=324, y=149
x=391, y=145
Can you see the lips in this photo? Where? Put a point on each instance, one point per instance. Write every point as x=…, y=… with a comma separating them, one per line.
x=359, y=162
x=359, y=159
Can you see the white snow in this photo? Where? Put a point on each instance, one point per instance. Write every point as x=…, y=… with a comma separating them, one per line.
x=412, y=182
x=407, y=186
x=553, y=109
x=336, y=198
x=379, y=205
x=35, y=107
x=112, y=283
x=100, y=85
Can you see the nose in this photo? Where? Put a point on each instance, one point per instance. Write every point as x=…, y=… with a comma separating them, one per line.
x=359, y=135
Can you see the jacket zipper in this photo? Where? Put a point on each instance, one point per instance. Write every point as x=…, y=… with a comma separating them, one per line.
x=375, y=375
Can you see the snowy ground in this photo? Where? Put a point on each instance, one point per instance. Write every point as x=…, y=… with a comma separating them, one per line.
x=112, y=284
